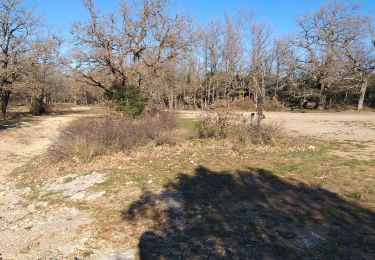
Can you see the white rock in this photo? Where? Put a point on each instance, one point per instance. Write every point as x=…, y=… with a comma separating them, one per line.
x=127, y=255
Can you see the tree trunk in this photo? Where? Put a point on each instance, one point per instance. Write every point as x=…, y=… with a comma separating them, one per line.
x=4, y=102
x=171, y=99
x=346, y=97
x=362, y=95
x=260, y=105
x=202, y=102
x=85, y=97
x=322, y=102
x=195, y=100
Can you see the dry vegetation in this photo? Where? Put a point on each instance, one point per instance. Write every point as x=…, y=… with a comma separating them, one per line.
x=229, y=185
x=328, y=62
x=89, y=137
x=282, y=199
x=224, y=121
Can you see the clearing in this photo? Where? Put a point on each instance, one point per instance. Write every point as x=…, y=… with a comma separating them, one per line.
x=356, y=129
x=198, y=198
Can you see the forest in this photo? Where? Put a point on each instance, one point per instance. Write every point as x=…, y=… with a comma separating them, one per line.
x=171, y=61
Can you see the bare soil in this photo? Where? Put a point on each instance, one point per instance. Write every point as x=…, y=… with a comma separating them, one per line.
x=335, y=126
x=104, y=209
x=351, y=128
x=34, y=230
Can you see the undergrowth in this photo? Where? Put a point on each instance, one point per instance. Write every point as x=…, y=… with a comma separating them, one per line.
x=223, y=121
x=89, y=137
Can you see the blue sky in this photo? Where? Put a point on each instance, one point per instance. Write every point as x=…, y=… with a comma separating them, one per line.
x=60, y=14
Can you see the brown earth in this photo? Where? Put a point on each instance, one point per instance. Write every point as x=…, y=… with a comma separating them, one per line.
x=351, y=128
x=33, y=230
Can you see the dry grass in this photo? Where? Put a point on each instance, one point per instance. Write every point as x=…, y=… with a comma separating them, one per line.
x=217, y=185
x=265, y=133
x=269, y=197
x=89, y=137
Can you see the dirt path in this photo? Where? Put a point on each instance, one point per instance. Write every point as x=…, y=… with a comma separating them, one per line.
x=33, y=230
x=20, y=143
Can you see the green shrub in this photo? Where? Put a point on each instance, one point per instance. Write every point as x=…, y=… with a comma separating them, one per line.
x=127, y=99
x=38, y=107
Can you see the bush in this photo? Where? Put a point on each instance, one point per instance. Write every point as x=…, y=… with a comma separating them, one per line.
x=269, y=104
x=95, y=136
x=263, y=133
x=273, y=105
x=218, y=122
x=127, y=99
x=165, y=139
x=207, y=128
x=38, y=107
x=223, y=121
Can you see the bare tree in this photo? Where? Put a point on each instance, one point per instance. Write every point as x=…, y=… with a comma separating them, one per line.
x=17, y=28
x=123, y=47
x=260, y=63
x=329, y=60
x=233, y=54
x=359, y=54
x=45, y=68
x=326, y=37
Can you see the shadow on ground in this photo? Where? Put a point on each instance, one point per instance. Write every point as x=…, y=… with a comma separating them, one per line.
x=249, y=215
x=14, y=124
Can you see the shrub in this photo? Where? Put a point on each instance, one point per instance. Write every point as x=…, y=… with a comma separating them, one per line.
x=223, y=121
x=95, y=136
x=263, y=133
x=269, y=104
x=165, y=139
x=38, y=107
x=273, y=105
x=218, y=122
x=207, y=128
x=127, y=99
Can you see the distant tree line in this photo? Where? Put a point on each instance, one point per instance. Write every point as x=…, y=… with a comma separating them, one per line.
x=328, y=60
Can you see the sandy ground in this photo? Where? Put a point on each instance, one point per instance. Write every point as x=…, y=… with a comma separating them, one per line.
x=40, y=230
x=20, y=143
x=349, y=128
x=37, y=228
x=334, y=126
x=32, y=231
